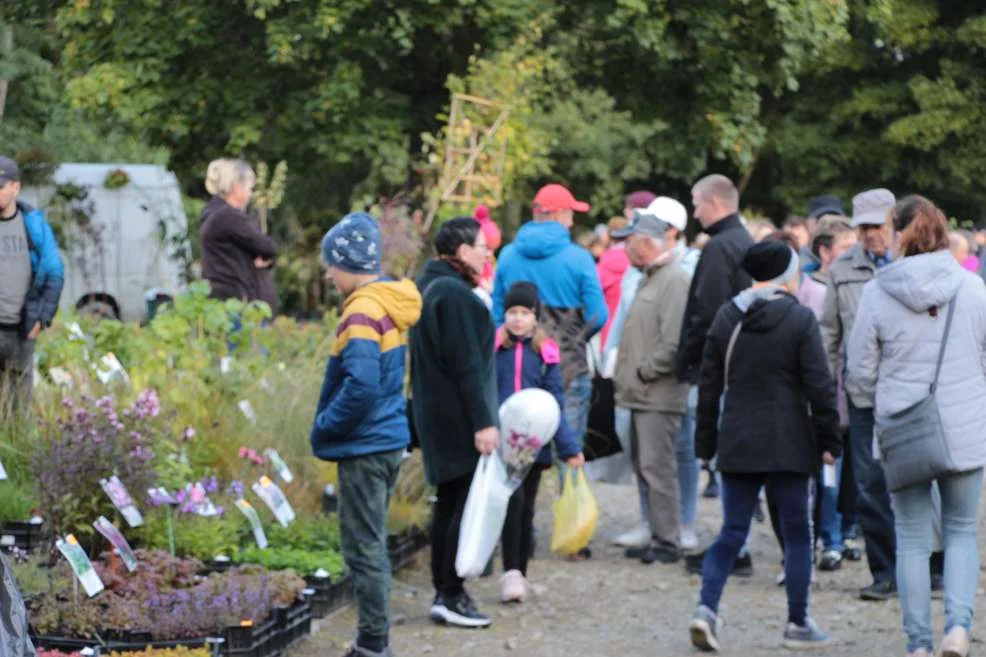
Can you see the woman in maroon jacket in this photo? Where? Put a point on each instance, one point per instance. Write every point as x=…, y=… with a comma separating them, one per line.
x=236, y=256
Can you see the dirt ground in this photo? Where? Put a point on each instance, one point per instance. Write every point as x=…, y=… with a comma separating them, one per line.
x=612, y=607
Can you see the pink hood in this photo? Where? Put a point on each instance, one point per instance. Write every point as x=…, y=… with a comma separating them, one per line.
x=612, y=265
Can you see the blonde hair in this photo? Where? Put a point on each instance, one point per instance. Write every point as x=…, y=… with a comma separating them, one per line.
x=226, y=172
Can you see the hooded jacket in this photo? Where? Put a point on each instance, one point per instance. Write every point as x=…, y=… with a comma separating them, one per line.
x=453, y=380
x=520, y=367
x=611, y=267
x=893, y=348
x=361, y=408
x=230, y=242
x=778, y=406
x=47, y=270
x=573, y=306
x=718, y=277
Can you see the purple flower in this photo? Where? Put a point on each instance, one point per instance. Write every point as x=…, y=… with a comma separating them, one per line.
x=211, y=485
x=236, y=489
x=189, y=433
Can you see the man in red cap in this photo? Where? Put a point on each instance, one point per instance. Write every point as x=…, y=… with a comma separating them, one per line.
x=573, y=308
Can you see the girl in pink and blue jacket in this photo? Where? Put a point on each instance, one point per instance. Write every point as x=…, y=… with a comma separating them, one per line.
x=527, y=358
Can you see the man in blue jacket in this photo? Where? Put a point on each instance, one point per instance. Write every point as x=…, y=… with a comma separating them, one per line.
x=31, y=281
x=573, y=306
x=361, y=421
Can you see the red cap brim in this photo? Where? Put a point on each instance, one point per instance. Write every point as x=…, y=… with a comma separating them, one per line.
x=580, y=206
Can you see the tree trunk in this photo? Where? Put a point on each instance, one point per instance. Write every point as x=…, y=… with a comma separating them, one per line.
x=6, y=46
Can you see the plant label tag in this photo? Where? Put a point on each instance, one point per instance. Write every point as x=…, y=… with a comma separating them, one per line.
x=161, y=497
x=272, y=496
x=121, y=499
x=81, y=566
x=61, y=377
x=112, y=534
x=247, y=409
x=226, y=364
x=828, y=476
x=254, y=518
x=279, y=465
x=3, y=472
x=110, y=369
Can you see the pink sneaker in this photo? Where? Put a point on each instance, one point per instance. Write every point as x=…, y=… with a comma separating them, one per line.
x=513, y=587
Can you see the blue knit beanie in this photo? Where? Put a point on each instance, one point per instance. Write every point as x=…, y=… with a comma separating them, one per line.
x=353, y=244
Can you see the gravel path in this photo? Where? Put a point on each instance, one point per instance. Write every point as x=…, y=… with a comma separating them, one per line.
x=611, y=607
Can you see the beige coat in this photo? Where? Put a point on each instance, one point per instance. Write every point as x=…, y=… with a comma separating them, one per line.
x=645, y=368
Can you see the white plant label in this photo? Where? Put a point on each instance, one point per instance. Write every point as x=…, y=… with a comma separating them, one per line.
x=272, y=496
x=121, y=499
x=81, y=566
x=279, y=465
x=251, y=514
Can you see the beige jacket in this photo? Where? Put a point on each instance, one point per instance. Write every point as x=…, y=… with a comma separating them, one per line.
x=847, y=276
x=645, y=367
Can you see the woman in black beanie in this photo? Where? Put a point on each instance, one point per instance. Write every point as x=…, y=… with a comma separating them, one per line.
x=765, y=367
x=454, y=399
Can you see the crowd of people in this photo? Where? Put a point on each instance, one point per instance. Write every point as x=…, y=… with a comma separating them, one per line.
x=806, y=363
x=835, y=364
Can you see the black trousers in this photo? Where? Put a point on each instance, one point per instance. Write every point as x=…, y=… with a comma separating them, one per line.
x=445, y=534
x=519, y=525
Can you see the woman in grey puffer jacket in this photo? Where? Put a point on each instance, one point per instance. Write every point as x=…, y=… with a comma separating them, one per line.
x=892, y=355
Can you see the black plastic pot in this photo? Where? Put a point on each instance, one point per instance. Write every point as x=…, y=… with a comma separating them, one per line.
x=22, y=535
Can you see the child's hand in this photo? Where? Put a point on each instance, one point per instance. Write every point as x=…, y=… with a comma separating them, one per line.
x=576, y=461
x=486, y=440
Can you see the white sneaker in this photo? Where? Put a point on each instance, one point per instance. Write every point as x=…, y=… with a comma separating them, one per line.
x=689, y=541
x=636, y=537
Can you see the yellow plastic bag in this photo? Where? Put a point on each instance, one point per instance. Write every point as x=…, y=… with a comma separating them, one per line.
x=576, y=515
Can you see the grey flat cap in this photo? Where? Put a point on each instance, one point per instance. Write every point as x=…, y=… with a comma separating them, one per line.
x=870, y=208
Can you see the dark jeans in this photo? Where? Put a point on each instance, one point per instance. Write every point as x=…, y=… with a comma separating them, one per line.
x=792, y=495
x=445, y=535
x=519, y=525
x=16, y=372
x=875, y=515
x=365, y=486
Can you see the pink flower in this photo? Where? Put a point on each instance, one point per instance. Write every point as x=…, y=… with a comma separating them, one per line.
x=189, y=433
x=243, y=452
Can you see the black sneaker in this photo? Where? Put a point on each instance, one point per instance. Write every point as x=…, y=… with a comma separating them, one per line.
x=359, y=651
x=712, y=488
x=693, y=563
x=879, y=591
x=831, y=560
x=743, y=566
x=662, y=553
x=459, y=611
x=636, y=552
x=851, y=553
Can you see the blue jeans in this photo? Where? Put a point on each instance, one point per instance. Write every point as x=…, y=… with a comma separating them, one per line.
x=578, y=399
x=688, y=466
x=831, y=526
x=876, y=516
x=365, y=486
x=791, y=494
x=914, y=508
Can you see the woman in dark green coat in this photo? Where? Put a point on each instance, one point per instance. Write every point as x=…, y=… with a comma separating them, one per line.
x=454, y=401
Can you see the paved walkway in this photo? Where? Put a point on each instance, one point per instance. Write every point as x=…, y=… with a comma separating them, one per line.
x=611, y=607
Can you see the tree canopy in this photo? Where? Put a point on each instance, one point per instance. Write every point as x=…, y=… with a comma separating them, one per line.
x=791, y=98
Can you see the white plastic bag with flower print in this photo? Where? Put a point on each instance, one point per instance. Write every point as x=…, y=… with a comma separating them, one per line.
x=483, y=516
x=528, y=421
